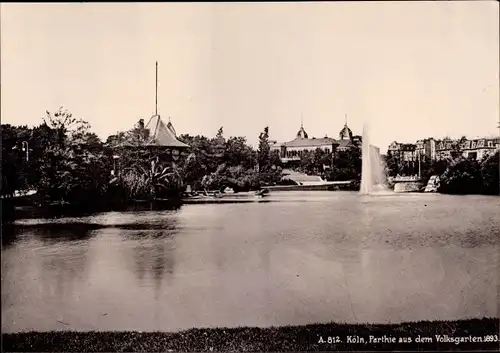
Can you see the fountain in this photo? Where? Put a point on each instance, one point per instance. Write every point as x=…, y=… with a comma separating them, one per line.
x=373, y=178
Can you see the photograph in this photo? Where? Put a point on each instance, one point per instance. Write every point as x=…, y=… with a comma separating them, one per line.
x=250, y=176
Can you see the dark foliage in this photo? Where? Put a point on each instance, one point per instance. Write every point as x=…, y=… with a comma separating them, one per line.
x=490, y=169
x=463, y=176
x=346, y=165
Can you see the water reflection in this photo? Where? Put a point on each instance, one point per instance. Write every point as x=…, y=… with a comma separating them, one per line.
x=152, y=246
x=153, y=256
x=62, y=268
x=67, y=232
x=45, y=268
x=9, y=234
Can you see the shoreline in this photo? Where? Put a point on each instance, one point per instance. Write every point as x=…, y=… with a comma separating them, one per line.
x=444, y=335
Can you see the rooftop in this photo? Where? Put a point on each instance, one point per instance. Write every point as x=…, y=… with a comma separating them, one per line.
x=161, y=134
x=344, y=143
x=345, y=133
x=307, y=142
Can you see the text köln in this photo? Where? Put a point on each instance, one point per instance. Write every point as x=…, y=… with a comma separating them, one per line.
x=385, y=339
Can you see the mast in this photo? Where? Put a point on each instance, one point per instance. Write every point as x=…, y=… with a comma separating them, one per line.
x=156, y=90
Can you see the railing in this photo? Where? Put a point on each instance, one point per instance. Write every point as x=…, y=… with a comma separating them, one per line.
x=407, y=178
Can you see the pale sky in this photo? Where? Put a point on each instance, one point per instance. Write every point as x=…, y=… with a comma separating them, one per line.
x=411, y=69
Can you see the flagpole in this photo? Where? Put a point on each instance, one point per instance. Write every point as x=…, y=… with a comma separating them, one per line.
x=156, y=90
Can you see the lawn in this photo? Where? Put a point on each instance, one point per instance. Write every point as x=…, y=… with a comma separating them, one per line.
x=316, y=337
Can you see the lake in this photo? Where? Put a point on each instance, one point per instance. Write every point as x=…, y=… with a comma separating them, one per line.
x=298, y=258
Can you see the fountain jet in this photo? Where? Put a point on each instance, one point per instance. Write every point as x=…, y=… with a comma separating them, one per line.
x=372, y=169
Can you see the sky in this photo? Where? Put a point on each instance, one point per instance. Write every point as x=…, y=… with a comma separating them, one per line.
x=410, y=69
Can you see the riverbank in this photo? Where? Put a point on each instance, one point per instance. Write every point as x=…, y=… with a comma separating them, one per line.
x=288, y=338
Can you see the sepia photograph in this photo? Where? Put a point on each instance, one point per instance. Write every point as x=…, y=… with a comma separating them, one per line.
x=250, y=176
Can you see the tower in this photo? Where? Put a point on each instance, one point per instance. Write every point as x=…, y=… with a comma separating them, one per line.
x=345, y=133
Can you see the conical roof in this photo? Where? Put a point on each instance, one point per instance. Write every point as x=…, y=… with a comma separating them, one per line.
x=302, y=134
x=345, y=133
x=161, y=134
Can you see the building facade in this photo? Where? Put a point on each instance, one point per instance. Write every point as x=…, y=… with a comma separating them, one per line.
x=442, y=149
x=404, y=151
x=479, y=148
x=292, y=151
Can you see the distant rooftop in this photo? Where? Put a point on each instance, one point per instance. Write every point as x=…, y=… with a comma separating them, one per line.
x=306, y=142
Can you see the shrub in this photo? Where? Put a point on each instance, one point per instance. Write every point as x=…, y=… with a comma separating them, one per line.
x=463, y=176
x=490, y=168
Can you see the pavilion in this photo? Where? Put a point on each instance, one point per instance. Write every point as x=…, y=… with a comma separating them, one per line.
x=156, y=136
x=163, y=138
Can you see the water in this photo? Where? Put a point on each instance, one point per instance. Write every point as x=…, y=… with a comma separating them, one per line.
x=373, y=178
x=301, y=258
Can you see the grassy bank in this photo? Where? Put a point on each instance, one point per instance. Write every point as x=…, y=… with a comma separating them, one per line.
x=289, y=338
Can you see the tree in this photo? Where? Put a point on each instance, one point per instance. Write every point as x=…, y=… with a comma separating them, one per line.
x=192, y=171
x=218, y=145
x=269, y=173
x=67, y=128
x=237, y=152
x=490, y=174
x=463, y=176
x=307, y=164
x=275, y=160
x=14, y=168
x=220, y=133
x=91, y=139
x=430, y=167
x=203, y=149
x=116, y=139
x=151, y=182
x=138, y=135
x=72, y=164
x=457, y=148
x=263, y=151
x=393, y=163
x=346, y=165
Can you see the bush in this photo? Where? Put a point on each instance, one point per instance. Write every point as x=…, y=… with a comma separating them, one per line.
x=490, y=168
x=153, y=181
x=463, y=176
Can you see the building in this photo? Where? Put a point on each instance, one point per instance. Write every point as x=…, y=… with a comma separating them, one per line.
x=156, y=136
x=163, y=136
x=445, y=147
x=347, y=139
x=404, y=151
x=293, y=150
x=479, y=148
x=442, y=149
x=426, y=148
x=430, y=148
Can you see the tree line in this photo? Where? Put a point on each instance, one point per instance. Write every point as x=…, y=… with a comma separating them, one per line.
x=67, y=163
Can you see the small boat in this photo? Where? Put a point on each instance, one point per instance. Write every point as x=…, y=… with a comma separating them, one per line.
x=262, y=192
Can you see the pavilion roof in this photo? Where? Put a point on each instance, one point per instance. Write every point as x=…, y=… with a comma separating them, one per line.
x=161, y=134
